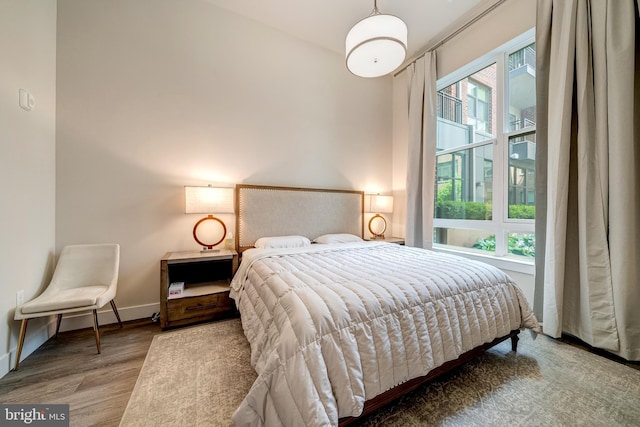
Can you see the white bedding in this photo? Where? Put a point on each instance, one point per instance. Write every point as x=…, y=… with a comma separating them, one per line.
x=331, y=326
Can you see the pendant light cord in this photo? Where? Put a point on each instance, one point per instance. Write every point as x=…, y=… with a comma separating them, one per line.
x=375, y=10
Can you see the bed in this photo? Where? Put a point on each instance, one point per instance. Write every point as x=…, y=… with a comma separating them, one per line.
x=341, y=327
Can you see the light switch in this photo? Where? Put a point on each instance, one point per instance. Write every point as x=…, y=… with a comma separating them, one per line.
x=27, y=101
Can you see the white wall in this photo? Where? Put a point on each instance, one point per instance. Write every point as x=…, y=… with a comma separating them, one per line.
x=504, y=23
x=156, y=94
x=27, y=164
x=501, y=25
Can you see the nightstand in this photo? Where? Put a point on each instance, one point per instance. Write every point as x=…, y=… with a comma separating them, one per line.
x=206, y=278
x=396, y=240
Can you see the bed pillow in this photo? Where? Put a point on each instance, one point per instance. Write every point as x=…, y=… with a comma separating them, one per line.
x=338, y=238
x=282, y=242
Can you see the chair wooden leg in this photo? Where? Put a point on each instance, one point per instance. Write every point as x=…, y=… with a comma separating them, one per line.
x=96, y=329
x=58, y=324
x=23, y=332
x=115, y=311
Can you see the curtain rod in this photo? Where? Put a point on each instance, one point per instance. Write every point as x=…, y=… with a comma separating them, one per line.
x=453, y=34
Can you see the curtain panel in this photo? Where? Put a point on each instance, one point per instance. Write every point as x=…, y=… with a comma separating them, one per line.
x=588, y=174
x=422, y=151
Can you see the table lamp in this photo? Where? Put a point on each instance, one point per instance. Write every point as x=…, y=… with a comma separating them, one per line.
x=377, y=204
x=208, y=200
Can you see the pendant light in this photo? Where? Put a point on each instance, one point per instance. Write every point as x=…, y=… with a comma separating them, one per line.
x=376, y=45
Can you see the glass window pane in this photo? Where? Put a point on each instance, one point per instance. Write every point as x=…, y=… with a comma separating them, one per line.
x=522, y=88
x=471, y=111
x=522, y=244
x=471, y=88
x=461, y=121
x=483, y=94
x=522, y=174
x=480, y=240
x=464, y=184
x=483, y=111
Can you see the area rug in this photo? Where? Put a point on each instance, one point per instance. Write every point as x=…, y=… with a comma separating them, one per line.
x=198, y=376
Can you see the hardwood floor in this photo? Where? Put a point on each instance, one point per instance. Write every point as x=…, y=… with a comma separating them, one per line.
x=67, y=369
x=97, y=386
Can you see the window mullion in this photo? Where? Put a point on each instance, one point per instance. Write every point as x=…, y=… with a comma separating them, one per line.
x=465, y=147
x=499, y=155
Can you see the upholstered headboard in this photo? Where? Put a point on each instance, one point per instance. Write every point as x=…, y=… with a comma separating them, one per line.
x=279, y=211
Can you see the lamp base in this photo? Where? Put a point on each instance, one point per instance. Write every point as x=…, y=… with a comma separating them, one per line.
x=207, y=247
x=209, y=251
x=378, y=233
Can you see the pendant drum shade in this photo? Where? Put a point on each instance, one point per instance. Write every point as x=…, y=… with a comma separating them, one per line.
x=376, y=46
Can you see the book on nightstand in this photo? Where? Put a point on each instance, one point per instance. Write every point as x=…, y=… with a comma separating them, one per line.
x=176, y=289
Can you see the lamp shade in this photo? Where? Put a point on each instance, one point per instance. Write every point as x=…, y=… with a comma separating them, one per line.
x=208, y=200
x=376, y=46
x=374, y=203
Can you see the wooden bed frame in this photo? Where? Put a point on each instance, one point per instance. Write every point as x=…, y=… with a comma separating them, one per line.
x=335, y=214
x=392, y=394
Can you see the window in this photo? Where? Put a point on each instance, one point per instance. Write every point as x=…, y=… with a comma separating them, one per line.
x=485, y=160
x=478, y=106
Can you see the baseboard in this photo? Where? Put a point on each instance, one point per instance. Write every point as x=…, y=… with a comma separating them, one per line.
x=39, y=334
x=36, y=336
x=106, y=316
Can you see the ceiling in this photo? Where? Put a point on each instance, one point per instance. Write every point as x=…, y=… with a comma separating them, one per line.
x=326, y=23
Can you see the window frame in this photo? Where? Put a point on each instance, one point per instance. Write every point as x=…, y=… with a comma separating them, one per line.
x=500, y=224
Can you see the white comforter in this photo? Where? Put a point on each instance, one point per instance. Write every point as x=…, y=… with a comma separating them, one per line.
x=331, y=326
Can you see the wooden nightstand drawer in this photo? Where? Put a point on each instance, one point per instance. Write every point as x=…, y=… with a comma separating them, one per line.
x=202, y=306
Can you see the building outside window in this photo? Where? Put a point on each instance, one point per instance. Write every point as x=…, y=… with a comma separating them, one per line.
x=478, y=106
x=485, y=160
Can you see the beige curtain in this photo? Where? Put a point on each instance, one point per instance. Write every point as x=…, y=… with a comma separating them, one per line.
x=588, y=171
x=422, y=151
